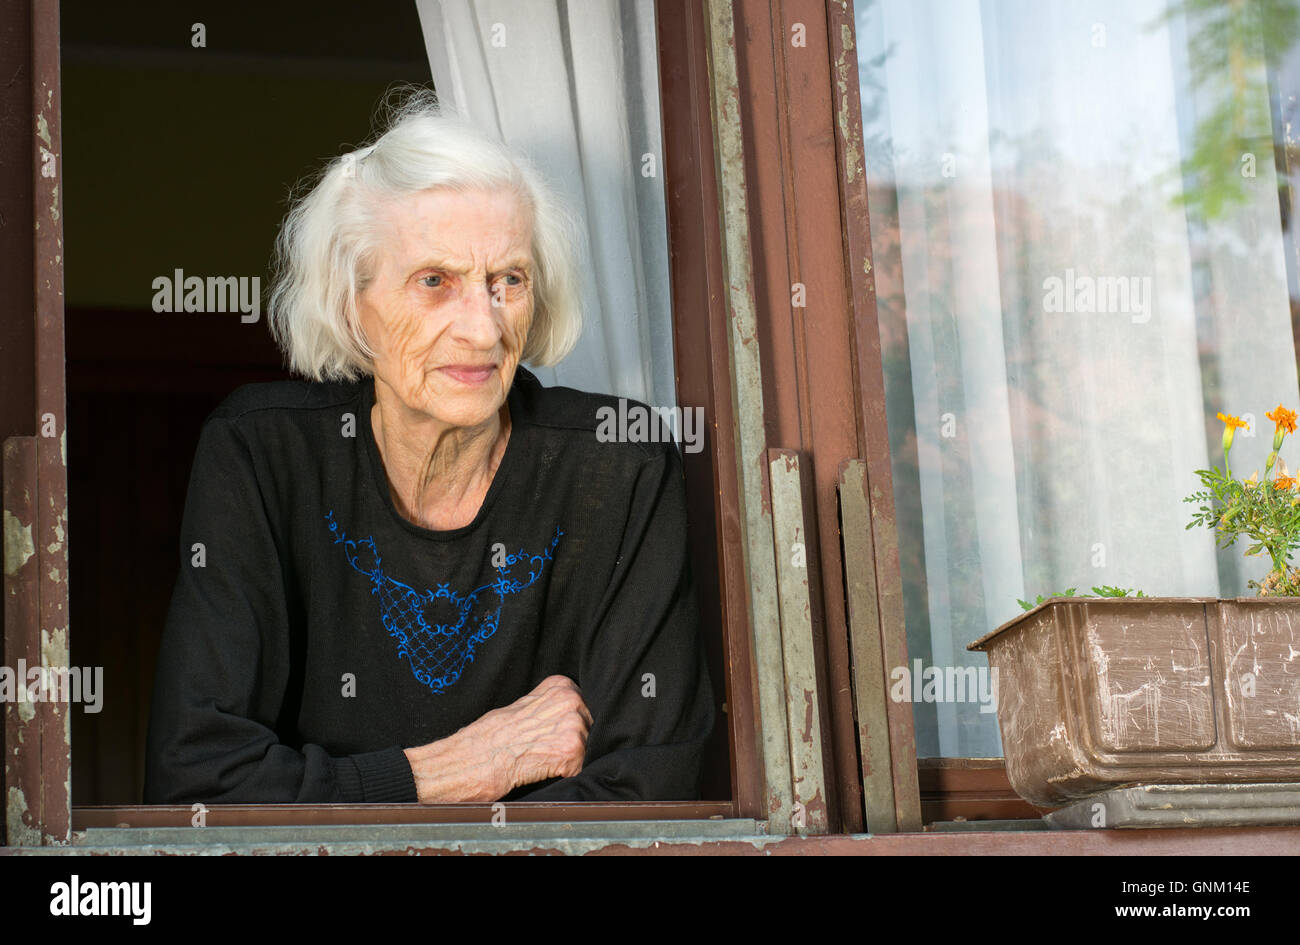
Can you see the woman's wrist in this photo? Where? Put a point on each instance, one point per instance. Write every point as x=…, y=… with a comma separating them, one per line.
x=452, y=770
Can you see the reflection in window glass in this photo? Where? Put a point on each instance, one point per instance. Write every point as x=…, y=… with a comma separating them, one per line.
x=1082, y=253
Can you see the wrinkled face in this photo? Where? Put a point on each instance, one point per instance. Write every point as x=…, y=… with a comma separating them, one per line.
x=450, y=301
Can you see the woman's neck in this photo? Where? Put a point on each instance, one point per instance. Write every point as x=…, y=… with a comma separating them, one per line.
x=438, y=474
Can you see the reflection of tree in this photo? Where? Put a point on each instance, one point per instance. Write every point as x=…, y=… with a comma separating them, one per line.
x=1229, y=46
x=1088, y=395
x=1083, y=430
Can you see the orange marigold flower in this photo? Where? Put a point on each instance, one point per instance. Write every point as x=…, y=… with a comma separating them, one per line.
x=1234, y=422
x=1284, y=482
x=1285, y=419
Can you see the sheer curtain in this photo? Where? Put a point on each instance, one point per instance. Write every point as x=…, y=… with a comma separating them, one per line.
x=1072, y=281
x=575, y=86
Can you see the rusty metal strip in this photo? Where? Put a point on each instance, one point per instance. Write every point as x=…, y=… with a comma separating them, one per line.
x=287, y=815
x=699, y=344
x=872, y=422
x=22, y=645
x=747, y=402
x=803, y=700
x=870, y=683
x=51, y=409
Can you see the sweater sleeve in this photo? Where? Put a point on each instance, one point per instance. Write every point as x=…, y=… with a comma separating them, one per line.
x=223, y=665
x=642, y=671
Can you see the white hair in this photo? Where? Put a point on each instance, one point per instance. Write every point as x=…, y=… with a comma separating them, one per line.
x=325, y=252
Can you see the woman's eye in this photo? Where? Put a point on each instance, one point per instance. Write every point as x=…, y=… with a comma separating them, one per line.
x=518, y=279
x=432, y=285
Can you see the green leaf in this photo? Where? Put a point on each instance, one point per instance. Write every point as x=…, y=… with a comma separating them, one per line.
x=1107, y=590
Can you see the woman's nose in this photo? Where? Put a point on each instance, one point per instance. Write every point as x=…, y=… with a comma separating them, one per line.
x=478, y=319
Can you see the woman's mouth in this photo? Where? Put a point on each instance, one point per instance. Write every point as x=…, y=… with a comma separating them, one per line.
x=471, y=374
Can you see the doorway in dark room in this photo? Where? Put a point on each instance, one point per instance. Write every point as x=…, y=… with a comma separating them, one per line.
x=185, y=127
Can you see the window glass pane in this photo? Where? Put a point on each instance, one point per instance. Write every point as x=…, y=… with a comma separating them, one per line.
x=1082, y=253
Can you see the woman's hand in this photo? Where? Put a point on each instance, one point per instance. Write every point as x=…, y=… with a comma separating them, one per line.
x=538, y=736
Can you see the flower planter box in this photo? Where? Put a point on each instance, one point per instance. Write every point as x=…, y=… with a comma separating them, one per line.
x=1096, y=693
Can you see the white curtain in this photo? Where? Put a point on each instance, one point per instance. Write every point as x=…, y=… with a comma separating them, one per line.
x=1011, y=143
x=575, y=86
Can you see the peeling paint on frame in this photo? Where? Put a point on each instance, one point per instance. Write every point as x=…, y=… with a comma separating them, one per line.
x=19, y=547
x=21, y=832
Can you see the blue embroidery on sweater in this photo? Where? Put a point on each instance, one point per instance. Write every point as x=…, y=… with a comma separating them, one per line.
x=439, y=653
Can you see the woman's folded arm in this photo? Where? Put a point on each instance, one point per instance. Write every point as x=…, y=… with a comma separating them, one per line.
x=643, y=673
x=223, y=665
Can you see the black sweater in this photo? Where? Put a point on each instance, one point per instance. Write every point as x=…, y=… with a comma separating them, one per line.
x=314, y=632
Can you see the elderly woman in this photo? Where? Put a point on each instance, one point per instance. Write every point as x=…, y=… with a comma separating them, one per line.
x=418, y=575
